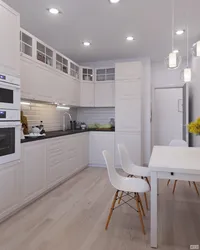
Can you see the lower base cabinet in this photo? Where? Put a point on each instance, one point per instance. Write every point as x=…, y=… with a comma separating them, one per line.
x=44, y=164
x=10, y=188
x=100, y=141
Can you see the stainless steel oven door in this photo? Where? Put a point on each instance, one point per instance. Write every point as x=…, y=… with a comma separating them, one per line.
x=10, y=145
x=9, y=96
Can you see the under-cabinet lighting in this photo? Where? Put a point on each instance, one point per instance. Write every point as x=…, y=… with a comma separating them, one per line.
x=25, y=103
x=63, y=107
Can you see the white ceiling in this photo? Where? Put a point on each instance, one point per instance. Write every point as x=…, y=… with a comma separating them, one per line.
x=107, y=26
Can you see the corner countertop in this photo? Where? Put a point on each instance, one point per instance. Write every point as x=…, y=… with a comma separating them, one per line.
x=59, y=133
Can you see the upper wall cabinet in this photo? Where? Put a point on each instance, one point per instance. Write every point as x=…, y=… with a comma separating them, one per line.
x=105, y=74
x=26, y=44
x=9, y=41
x=74, y=70
x=62, y=63
x=87, y=74
x=44, y=54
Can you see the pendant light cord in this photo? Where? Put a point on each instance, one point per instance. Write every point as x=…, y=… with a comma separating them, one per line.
x=173, y=22
x=187, y=46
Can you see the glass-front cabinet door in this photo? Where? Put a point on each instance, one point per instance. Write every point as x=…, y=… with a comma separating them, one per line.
x=44, y=54
x=26, y=44
x=87, y=74
x=105, y=74
x=61, y=63
x=74, y=70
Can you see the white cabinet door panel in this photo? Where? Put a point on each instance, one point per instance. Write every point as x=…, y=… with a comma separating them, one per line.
x=128, y=88
x=55, y=161
x=34, y=169
x=128, y=70
x=132, y=142
x=10, y=187
x=128, y=115
x=28, y=79
x=87, y=94
x=100, y=141
x=10, y=41
x=104, y=94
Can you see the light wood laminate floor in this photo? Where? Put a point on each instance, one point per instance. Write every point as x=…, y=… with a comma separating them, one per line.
x=73, y=216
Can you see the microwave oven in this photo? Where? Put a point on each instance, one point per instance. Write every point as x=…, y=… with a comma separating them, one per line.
x=9, y=92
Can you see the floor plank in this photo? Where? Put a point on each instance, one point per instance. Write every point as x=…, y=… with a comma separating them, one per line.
x=73, y=217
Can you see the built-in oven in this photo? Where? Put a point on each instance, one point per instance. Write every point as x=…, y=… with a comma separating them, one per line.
x=10, y=131
x=9, y=92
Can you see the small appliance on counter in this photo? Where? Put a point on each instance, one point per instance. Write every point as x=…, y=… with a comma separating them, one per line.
x=37, y=131
x=83, y=126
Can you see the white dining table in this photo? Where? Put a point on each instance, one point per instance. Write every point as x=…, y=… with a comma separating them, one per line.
x=175, y=163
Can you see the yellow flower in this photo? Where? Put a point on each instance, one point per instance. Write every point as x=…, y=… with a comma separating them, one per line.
x=194, y=127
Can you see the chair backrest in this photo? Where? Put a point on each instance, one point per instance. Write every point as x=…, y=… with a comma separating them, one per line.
x=114, y=177
x=125, y=159
x=178, y=143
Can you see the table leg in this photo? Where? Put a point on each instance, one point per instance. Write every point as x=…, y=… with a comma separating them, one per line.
x=154, y=210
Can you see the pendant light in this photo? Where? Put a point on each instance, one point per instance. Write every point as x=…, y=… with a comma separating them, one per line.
x=187, y=72
x=196, y=49
x=173, y=60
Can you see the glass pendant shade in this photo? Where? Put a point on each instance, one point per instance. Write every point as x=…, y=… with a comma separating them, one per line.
x=196, y=49
x=173, y=61
x=187, y=75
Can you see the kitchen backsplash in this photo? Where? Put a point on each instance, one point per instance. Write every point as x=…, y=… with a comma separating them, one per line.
x=52, y=118
x=95, y=115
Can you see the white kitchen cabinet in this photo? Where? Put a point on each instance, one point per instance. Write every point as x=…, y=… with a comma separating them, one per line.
x=56, y=160
x=9, y=42
x=87, y=94
x=128, y=105
x=34, y=168
x=132, y=142
x=128, y=70
x=10, y=188
x=83, y=150
x=104, y=94
x=100, y=141
x=28, y=78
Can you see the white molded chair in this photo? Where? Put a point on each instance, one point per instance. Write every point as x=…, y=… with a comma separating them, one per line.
x=127, y=185
x=131, y=169
x=180, y=143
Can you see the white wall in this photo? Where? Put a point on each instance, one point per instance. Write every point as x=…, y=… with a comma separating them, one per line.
x=146, y=99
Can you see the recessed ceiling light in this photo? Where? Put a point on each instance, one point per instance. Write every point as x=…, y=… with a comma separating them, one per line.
x=180, y=32
x=114, y=1
x=54, y=11
x=86, y=44
x=176, y=51
x=130, y=38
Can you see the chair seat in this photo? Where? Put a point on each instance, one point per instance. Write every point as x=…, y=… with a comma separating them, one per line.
x=132, y=185
x=139, y=171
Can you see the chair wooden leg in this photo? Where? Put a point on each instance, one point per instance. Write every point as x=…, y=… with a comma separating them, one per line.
x=196, y=187
x=111, y=209
x=147, y=180
x=120, y=198
x=189, y=183
x=168, y=182
x=139, y=211
x=174, y=186
x=146, y=202
x=141, y=205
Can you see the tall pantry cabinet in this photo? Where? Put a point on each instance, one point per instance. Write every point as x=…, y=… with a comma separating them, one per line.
x=128, y=109
x=9, y=42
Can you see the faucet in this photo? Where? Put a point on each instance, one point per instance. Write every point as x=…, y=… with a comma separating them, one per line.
x=64, y=120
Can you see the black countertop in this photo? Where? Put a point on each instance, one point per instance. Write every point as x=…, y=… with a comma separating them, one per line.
x=59, y=133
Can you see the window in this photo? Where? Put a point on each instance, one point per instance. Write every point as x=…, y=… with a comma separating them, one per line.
x=61, y=64
x=44, y=54
x=26, y=44
x=74, y=70
x=87, y=74
x=105, y=74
